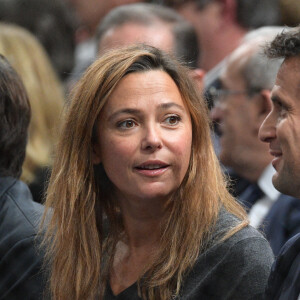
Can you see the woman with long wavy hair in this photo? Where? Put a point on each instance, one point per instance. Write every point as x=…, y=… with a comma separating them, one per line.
x=139, y=205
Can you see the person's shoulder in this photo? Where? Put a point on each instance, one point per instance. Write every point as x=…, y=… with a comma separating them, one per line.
x=227, y=222
x=248, y=232
x=21, y=258
x=288, y=252
x=247, y=241
x=20, y=215
x=239, y=264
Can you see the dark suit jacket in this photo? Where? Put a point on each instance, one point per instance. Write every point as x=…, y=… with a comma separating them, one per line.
x=284, y=281
x=282, y=222
x=20, y=262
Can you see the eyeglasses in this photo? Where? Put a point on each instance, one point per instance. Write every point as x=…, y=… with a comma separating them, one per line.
x=219, y=95
x=175, y=3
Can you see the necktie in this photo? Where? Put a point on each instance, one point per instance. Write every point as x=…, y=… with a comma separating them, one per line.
x=250, y=196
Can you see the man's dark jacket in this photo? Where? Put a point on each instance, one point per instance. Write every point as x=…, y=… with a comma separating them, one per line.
x=20, y=262
x=284, y=281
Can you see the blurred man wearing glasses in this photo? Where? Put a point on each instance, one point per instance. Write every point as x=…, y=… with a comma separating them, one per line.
x=241, y=102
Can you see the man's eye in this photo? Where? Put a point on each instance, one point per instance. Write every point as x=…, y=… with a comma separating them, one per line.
x=172, y=120
x=126, y=124
x=283, y=112
x=282, y=109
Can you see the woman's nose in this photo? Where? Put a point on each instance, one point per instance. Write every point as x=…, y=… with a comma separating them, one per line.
x=267, y=130
x=152, y=138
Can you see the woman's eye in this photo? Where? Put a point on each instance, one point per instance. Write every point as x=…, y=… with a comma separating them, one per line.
x=172, y=120
x=127, y=124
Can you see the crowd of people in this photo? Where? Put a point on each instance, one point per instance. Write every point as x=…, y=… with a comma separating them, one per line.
x=153, y=153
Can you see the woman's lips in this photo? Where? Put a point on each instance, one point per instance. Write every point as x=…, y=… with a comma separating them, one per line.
x=152, y=173
x=152, y=168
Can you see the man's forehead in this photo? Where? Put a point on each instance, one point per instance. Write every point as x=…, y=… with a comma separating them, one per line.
x=236, y=63
x=291, y=66
x=136, y=32
x=287, y=85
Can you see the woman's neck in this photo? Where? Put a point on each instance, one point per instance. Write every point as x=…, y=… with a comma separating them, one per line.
x=142, y=221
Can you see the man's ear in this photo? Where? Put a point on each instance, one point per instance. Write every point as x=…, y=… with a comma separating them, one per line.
x=96, y=154
x=228, y=11
x=198, y=75
x=263, y=106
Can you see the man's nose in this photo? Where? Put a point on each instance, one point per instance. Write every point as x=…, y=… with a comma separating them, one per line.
x=216, y=114
x=267, y=130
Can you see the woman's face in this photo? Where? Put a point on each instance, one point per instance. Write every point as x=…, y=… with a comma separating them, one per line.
x=144, y=136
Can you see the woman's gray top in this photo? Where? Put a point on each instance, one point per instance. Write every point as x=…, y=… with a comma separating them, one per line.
x=236, y=269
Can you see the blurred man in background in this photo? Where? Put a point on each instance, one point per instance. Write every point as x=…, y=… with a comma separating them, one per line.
x=154, y=25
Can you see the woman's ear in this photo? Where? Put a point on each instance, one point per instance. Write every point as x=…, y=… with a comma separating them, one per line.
x=96, y=154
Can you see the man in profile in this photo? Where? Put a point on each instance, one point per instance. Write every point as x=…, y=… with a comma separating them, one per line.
x=281, y=130
x=20, y=263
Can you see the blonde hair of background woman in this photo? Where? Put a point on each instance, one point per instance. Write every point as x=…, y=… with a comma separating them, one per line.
x=44, y=90
x=79, y=253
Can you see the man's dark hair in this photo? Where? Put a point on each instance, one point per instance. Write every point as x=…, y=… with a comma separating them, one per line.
x=185, y=39
x=285, y=45
x=14, y=120
x=51, y=22
x=250, y=14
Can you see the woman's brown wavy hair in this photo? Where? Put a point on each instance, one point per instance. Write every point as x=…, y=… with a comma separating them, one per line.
x=80, y=252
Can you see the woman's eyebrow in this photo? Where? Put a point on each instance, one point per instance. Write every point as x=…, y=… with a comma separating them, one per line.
x=132, y=111
x=170, y=105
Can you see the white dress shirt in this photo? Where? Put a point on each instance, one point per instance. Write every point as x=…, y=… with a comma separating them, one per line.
x=262, y=206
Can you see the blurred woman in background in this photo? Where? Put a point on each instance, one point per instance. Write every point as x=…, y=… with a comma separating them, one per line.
x=46, y=97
